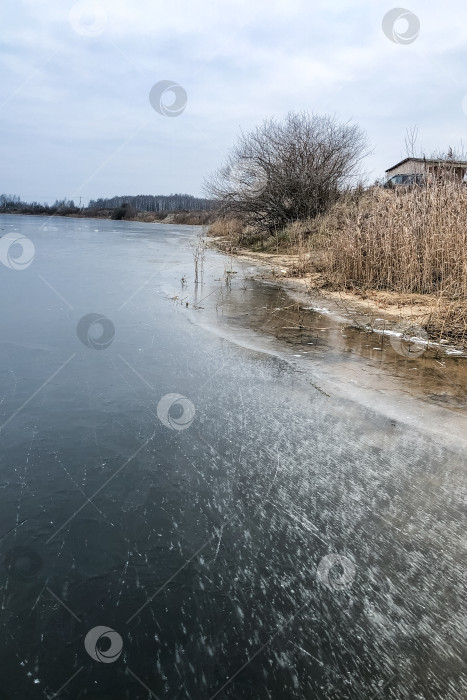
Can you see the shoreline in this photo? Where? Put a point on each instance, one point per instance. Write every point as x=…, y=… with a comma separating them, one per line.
x=168, y=218
x=366, y=310
x=369, y=310
x=337, y=358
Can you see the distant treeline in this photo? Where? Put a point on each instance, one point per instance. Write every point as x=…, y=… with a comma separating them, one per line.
x=11, y=203
x=155, y=203
x=174, y=208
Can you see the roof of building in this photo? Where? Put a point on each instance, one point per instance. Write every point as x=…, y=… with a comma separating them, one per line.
x=437, y=161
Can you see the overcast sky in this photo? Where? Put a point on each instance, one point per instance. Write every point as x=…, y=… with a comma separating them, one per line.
x=75, y=115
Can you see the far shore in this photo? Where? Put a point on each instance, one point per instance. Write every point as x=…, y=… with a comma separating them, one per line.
x=193, y=218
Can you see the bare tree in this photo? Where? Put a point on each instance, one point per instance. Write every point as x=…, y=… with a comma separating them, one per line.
x=285, y=171
x=411, y=136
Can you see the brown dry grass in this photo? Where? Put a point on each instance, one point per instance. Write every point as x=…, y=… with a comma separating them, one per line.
x=412, y=242
x=404, y=242
x=191, y=218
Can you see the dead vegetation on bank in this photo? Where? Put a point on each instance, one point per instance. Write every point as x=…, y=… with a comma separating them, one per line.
x=411, y=245
x=182, y=218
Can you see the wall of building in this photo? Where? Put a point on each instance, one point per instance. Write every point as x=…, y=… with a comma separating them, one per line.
x=418, y=167
x=409, y=168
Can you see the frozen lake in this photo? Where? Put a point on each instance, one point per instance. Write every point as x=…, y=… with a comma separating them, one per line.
x=192, y=507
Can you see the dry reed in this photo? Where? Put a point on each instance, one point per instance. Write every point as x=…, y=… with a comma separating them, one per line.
x=404, y=241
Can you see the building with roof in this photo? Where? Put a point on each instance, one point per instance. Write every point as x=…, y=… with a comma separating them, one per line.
x=439, y=167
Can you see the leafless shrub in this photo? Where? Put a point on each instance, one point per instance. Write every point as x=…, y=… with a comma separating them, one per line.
x=286, y=171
